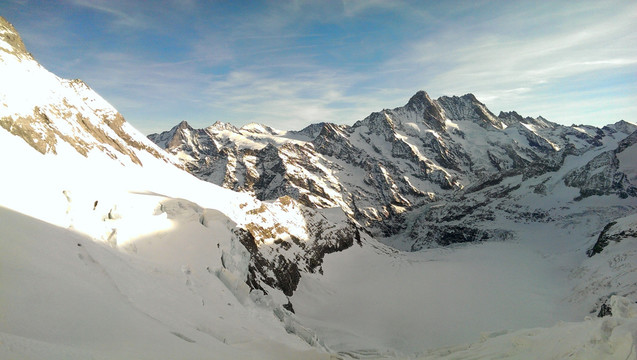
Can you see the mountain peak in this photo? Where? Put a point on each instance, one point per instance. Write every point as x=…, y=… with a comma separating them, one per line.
x=420, y=101
x=180, y=128
x=180, y=133
x=11, y=42
x=184, y=125
x=420, y=97
x=513, y=114
x=624, y=126
x=470, y=97
x=432, y=113
x=312, y=130
x=510, y=117
x=46, y=111
x=468, y=107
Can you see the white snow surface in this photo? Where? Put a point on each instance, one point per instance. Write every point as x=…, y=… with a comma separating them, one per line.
x=158, y=291
x=375, y=298
x=605, y=338
x=139, y=276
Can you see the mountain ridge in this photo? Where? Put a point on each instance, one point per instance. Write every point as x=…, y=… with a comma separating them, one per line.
x=397, y=160
x=83, y=119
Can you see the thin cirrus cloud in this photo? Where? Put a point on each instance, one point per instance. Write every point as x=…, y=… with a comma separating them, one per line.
x=290, y=102
x=291, y=63
x=122, y=13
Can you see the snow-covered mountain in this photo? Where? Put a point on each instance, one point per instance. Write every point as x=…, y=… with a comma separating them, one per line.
x=109, y=249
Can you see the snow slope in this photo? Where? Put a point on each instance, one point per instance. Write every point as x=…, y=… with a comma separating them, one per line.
x=136, y=276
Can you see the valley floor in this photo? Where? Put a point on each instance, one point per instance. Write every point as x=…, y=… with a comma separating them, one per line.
x=376, y=297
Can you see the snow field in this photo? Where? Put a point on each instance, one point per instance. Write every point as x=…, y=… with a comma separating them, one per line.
x=150, y=292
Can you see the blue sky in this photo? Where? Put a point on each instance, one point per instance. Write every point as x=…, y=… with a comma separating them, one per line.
x=291, y=63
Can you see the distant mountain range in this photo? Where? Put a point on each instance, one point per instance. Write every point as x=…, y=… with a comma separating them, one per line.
x=434, y=163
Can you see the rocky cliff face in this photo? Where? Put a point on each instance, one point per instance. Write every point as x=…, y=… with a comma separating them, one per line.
x=280, y=264
x=603, y=174
x=622, y=229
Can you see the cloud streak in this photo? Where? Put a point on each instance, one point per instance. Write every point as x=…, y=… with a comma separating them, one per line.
x=123, y=18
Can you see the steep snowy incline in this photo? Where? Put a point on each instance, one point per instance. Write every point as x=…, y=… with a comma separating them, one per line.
x=46, y=110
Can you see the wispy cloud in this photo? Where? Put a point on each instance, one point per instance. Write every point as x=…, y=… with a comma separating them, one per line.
x=115, y=9
x=357, y=7
x=290, y=102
